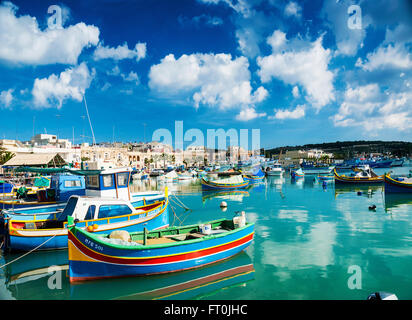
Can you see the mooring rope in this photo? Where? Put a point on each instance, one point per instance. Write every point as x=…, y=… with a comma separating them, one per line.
x=176, y=203
x=32, y=250
x=184, y=206
x=175, y=215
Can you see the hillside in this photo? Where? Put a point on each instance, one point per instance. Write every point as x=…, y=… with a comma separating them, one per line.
x=348, y=149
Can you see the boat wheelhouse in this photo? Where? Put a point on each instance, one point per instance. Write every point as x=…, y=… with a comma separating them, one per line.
x=48, y=230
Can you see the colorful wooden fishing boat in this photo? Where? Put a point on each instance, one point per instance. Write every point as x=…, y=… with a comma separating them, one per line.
x=363, y=176
x=397, y=185
x=26, y=188
x=297, y=173
x=234, y=182
x=48, y=230
x=173, y=249
x=113, y=183
x=255, y=176
x=62, y=186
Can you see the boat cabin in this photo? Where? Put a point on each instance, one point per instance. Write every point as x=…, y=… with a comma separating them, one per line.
x=82, y=209
x=66, y=185
x=111, y=183
x=89, y=208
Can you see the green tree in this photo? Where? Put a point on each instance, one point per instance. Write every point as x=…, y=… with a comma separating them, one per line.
x=5, y=155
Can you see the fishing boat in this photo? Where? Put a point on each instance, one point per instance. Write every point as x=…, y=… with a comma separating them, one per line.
x=93, y=256
x=169, y=177
x=256, y=175
x=310, y=168
x=274, y=170
x=6, y=189
x=398, y=162
x=28, y=188
x=26, y=278
x=398, y=184
x=233, y=182
x=62, y=186
x=297, y=173
x=48, y=230
x=362, y=176
x=379, y=163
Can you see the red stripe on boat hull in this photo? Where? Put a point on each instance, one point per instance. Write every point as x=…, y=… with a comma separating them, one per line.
x=148, y=261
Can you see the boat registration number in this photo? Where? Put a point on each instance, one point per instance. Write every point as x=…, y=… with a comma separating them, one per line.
x=93, y=245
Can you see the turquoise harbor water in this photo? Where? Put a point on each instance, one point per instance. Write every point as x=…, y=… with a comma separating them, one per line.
x=308, y=241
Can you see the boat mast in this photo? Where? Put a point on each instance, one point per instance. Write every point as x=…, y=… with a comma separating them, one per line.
x=87, y=111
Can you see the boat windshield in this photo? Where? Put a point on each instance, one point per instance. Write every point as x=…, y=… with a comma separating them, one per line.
x=69, y=208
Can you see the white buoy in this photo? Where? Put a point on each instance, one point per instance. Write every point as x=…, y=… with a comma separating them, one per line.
x=223, y=204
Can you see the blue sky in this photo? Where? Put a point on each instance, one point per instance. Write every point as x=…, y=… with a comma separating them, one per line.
x=300, y=71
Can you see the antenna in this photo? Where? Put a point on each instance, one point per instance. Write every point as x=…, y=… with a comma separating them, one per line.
x=85, y=103
x=34, y=118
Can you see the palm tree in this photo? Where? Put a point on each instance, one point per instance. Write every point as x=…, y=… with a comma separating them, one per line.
x=5, y=155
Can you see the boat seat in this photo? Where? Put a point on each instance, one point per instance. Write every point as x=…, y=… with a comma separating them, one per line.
x=196, y=235
x=217, y=231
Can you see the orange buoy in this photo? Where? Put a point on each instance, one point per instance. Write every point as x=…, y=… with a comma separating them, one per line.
x=95, y=226
x=90, y=228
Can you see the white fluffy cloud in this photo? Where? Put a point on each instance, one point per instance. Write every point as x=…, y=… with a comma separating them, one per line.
x=70, y=84
x=22, y=42
x=249, y=114
x=295, y=92
x=131, y=77
x=297, y=113
x=240, y=6
x=391, y=56
x=348, y=40
x=121, y=52
x=293, y=9
x=299, y=62
x=368, y=107
x=214, y=80
x=6, y=97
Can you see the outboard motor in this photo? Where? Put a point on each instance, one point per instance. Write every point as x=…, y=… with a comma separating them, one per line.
x=382, y=296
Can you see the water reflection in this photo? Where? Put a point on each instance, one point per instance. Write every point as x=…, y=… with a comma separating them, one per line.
x=33, y=279
x=360, y=190
x=315, y=247
x=398, y=202
x=30, y=277
x=234, y=195
x=196, y=283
